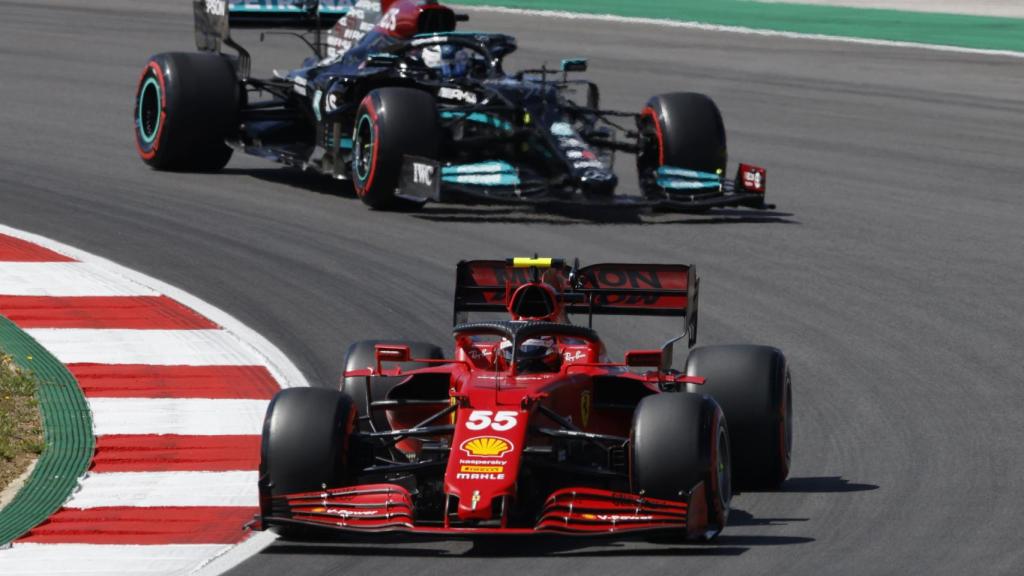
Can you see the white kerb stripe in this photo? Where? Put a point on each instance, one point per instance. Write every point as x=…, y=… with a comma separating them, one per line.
x=164, y=347
x=167, y=489
x=66, y=279
x=105, y=559
x=188, y=416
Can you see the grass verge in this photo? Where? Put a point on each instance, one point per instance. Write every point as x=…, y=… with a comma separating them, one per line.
x=21, y=427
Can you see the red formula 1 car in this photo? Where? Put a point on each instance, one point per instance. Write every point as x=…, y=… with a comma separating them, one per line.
x=530, y=428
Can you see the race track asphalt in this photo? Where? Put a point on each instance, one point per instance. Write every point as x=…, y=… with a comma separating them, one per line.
x=890, y=274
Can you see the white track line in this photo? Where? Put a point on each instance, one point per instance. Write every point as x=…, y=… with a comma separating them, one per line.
x=186, y=416
x=167, y=489
x=65, y=279
x=160, y=347
x=106, y=559
x=739, y=30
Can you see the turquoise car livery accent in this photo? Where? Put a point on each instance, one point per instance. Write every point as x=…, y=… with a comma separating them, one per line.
x=286, y=7
x=674, y=178
x=480, y=118
x=150, y=83
x=496, y=173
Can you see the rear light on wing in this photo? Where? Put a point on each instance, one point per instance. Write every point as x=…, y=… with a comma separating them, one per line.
x=750, y=178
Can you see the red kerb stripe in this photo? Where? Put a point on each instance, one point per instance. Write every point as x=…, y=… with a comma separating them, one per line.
x=136, y=525
x=172, y=452
x=131, y=312
x=149, y=381
x=16, y=250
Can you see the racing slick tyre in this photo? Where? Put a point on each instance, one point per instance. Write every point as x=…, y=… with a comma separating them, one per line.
x=361, y=355
x=753, y=386
x=391, y=123
x=186, y=104
x=677, y=441
x=680, y=129
x=305, y=444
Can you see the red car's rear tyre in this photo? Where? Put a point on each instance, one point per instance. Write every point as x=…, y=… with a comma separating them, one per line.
x=186, y=104
x=754, y=388
x=362, y=355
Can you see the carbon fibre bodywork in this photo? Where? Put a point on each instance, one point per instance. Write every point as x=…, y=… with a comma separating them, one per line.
x=535, y=136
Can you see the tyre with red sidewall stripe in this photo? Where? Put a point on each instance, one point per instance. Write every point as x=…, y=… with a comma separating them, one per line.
x=677, y=442
x=680, y=129
x=186, y=105
x=390, y=124
x=754, y=388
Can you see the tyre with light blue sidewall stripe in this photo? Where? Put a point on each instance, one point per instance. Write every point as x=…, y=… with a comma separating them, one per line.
x=186, y=105
x=391, y=123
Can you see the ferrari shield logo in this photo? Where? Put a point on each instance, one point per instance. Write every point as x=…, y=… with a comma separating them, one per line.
x=585, y=407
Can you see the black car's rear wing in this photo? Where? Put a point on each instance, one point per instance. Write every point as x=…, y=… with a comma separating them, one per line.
x=625, y=289
x=214, y=20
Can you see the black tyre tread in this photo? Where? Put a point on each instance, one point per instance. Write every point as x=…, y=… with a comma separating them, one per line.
x=407, y=125
x=361, y=355
x=672, y=444
x=203, y=96
x=751, y=383
x=305, y=438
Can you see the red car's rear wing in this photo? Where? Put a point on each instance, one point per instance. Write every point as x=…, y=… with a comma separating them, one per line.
x=630, y=289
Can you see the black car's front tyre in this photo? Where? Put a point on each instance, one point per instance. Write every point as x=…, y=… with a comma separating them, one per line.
x=186, y=104
x=678, y=441
x=390, y=124
x=683, y=130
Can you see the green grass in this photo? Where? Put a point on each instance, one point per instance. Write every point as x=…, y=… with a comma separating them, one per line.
x=21, y=428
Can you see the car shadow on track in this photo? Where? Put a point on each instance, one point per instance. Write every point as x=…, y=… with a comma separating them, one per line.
x=550, y=545
x=825, y=485
x=562, y=215
x=505, y=214
x=295, y=178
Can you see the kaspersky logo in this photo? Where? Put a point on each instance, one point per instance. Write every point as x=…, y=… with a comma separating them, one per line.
x=486, y=447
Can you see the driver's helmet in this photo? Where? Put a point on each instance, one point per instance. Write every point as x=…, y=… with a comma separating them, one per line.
x=451, y=60
x=534, y=355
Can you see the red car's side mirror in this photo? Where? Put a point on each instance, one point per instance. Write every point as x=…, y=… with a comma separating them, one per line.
x=649, y=358
x=391, y=353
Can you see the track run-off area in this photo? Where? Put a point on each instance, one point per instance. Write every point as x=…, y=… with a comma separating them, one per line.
x=890, y=273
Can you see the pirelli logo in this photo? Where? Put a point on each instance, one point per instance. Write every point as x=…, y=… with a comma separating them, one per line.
x=482, y=469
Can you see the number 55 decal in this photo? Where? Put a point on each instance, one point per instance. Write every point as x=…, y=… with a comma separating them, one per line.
x=499, y=421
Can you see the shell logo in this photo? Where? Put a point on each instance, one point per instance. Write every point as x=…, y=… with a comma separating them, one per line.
x=486, y=446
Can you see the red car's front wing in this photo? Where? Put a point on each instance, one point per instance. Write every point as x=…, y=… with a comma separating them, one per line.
x=577, y=511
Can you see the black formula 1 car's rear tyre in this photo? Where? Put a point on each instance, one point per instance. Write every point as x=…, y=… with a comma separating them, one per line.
x=305, y=440
x=677, y=441
x=361, y=355
x=186, y=104
x=753, y=386
x=391, y=123
x=681, y=129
